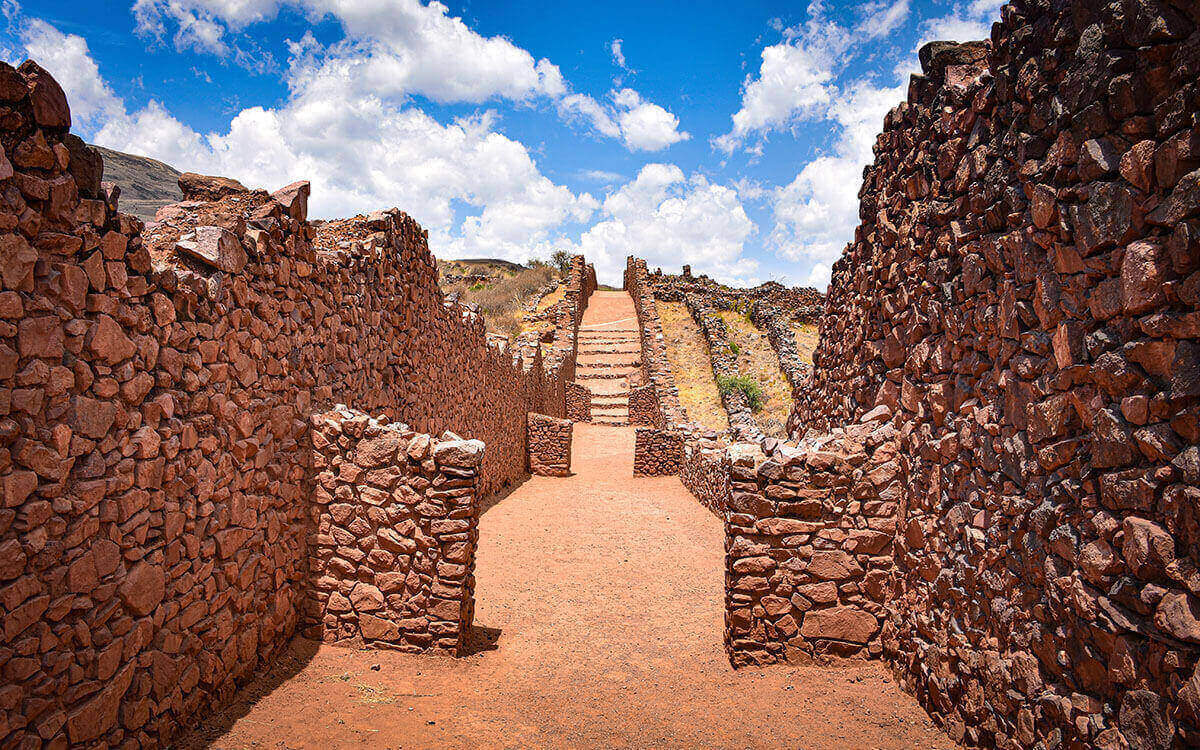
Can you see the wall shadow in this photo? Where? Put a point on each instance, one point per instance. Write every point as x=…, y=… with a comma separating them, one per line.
x=289, y=663
x=480, y=638
x=494, y=499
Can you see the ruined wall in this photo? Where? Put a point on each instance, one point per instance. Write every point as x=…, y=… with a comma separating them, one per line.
x=1023, y=292
x=705, y=472
x=808, y=541
x=654, y=349
x=657, y=452
x=549, y=445
x=395, y=517
x=154, y=398
x=643, y=406
x=579, y=403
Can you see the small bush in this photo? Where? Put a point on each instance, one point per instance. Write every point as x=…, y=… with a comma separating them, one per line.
x=733, y=348
x=749, y=387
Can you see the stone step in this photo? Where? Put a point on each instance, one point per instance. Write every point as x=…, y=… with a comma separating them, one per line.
x=611, y=422
x=629, y=363
x=599, y=375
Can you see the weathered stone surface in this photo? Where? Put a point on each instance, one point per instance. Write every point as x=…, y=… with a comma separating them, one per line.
x=840, y=623
x=215, y=246
x=143, y=588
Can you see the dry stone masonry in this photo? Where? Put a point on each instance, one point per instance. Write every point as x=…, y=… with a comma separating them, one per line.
x=156, y=458
x=394, y=529
x=657, y=452
x=549, y=445
x=1022, y=295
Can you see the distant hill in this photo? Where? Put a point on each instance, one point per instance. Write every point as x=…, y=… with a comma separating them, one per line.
x=146, y=185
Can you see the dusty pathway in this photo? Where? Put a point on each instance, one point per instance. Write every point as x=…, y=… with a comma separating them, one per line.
x=599, y=622
x=609, y=352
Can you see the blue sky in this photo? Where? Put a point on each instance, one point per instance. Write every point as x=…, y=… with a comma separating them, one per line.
x=728, y=136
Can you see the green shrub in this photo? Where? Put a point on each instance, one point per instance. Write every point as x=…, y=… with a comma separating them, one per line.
x=733, y=349
x=747, y=385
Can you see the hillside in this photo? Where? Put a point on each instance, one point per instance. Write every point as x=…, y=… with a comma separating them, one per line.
x=146, y=184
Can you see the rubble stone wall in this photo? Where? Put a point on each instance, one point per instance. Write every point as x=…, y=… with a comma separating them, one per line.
x=643, y=406
x=579, y=403
x=1022, y=293
x=657, y=452
x=654, y=349
x=395, y=517
x=808, y=540
x=155, y=456
x=549, y=445
x=705, y=472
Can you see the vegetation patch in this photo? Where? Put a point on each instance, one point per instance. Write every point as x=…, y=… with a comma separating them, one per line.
x=758, y=365
x=506, y=293
x=747, y=385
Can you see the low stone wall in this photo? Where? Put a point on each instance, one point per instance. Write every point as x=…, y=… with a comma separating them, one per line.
x=724, y=365
x=657, y=452
x=808, y=539
x=705, y=473
x=579, y=403
x=395, y=526
x=643, y=406
x=549, y=445
x=654, y=348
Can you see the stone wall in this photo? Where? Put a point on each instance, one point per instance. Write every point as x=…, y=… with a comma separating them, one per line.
x=657, y=452
x=155, y=445
x=808, y=540
x=549, y=445
x=395, y=518
x=579, y=403
x=705, y=472
x=724, y=365
x=654, y=349
x=643, y=406
x=1022, y=293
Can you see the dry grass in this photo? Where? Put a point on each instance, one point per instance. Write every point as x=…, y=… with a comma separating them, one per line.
x=691, y=366
x=502, y=301
x=806, y=340
x=757, y=359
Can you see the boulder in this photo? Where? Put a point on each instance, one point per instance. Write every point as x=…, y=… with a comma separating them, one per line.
x=214, y=246
x=840, y=623
x=200, y=187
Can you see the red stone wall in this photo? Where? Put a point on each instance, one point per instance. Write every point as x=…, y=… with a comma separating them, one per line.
x=643, y=406
x=395, y=517
x=654, y=349
x=1023, y=293
x=657, y=452
x=579, y=403
x=705, y=472
x=549, y=445
x=154, y=439
x=808, y=540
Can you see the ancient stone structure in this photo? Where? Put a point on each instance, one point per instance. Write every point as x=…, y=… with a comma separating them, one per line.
x=394, y=527
x=657, y=452
x=1022, y=294
x=157, y=468
x=643, y=406
x=809, y=540
x=654, y=350
x=579, y=403
x=549, y=445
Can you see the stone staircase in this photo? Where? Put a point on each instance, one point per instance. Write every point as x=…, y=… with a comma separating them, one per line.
x=609, y=354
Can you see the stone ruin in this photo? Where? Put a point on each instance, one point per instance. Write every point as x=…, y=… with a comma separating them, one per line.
x=182, y=488
x=235, y=425
x=993, y=480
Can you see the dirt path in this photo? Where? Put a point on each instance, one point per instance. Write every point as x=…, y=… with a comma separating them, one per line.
x=599, y=621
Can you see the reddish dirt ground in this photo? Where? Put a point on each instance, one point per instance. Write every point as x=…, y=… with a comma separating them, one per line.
x=598, y=624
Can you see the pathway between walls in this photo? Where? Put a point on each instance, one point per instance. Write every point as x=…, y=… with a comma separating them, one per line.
x=598, y=624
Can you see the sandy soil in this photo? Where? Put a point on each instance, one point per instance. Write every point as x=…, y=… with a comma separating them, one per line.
x=691, y=366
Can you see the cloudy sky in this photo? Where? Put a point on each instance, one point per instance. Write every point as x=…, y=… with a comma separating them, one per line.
x=730, y=136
